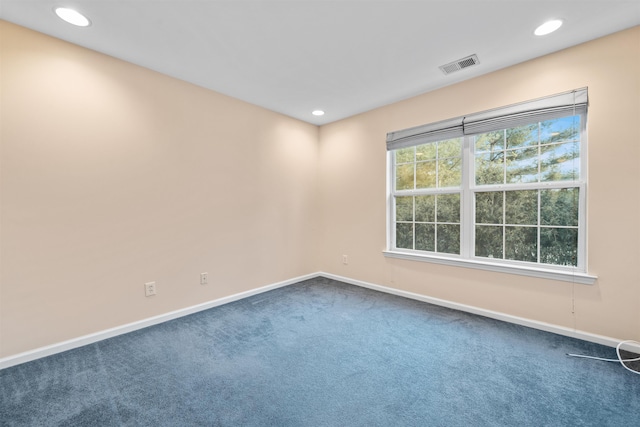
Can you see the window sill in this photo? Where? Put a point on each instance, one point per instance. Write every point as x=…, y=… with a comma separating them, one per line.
x=565, y=276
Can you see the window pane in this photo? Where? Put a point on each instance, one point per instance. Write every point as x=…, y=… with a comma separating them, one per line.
x=426, y=174
x=559, y=246
x=404, y=235
x=426, y=152
x=489, y=207
x=426, y=237
x=521, y=207
x=450, y=172
x=521, y=243
x=559, y=206
x=426, y=208
x=489, y=168
x=560, y=130
x=522, y=165
x=560, y=162
x=450, y=148
x=489, y=241
x=491, y=141
x=405, y=155
x=522, y=136
x=404, y=208
x=449, y=239
x=449, y=208
x=404, y=177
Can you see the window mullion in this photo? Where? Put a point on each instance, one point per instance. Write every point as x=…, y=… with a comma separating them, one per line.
x=504, y=157
x=539, y=228
x=415, y=169
x=435, y=222
x=413, y=222
x=582, y=196
x=504, y=225
x=391, y=189
x=467, y=223
x=582, y=227
x=539, y=231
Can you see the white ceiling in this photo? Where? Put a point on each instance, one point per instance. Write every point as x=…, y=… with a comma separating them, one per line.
x=344, y=57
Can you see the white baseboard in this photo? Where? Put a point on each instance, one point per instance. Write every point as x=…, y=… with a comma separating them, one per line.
x=130, y=327
x=548, y=327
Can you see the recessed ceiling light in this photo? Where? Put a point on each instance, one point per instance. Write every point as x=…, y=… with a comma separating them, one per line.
x=72, y=16
x=318, y=113
x=548, y=27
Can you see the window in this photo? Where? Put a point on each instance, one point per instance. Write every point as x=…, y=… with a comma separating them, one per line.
x=427, y=198
x=504, y=188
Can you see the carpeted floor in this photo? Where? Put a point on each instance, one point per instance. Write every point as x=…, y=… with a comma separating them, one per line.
x=324, y=353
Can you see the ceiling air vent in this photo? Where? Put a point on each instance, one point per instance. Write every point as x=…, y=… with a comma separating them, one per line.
x=460, y=64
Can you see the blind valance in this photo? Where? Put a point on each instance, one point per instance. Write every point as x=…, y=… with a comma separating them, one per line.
x=536, y=110
x=439, y=131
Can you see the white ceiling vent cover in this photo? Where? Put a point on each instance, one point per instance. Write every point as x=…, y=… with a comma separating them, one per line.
x=454, y=66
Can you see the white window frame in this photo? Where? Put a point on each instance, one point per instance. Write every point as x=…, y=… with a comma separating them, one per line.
x=468, y=188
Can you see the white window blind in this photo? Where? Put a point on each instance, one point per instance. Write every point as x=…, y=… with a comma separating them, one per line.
x=439, y=131
x=549, y=107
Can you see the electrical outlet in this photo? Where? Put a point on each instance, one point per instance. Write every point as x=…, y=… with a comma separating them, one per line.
x=204, y=278
x=345, y=259
x=149, y=289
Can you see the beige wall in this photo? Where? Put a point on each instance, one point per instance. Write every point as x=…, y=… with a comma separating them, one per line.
x=113, y=175
x=352, y=186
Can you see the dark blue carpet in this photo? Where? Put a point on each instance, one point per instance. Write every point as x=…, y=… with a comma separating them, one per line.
x=323, y=353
